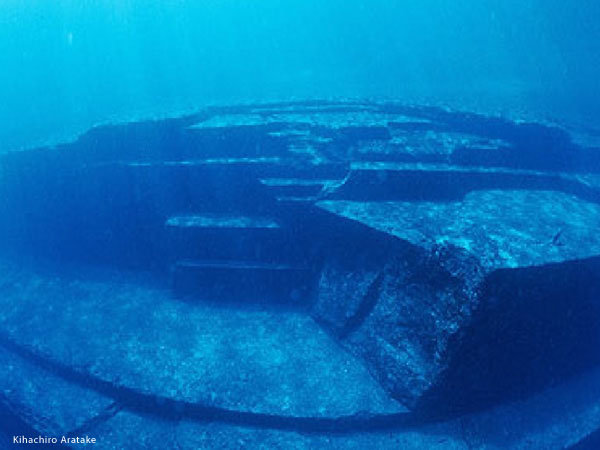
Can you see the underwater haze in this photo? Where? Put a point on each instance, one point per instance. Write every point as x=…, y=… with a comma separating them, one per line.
x=300, y=224
x=68, y=64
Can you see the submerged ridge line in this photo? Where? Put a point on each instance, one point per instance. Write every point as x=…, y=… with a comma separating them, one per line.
x=176, y=410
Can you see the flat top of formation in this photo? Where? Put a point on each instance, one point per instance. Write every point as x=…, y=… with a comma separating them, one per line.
x=512, y=194
x=505, y=229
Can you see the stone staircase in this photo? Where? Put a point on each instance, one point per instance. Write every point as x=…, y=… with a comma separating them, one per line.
x=235, y=251
x=232, y=258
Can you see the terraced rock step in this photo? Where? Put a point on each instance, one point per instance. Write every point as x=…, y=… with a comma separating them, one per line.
x=296, y=187
x=291, y=200
x=242, y=281
x=214, y=221
x=296, y=196
x=352, y=117
x=385, y=181
x=258, y=167
x=140, y=341
x=506, y=281
x=225, y=237
x=543, y=227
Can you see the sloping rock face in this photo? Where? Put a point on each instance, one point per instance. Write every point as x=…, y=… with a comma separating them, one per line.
x=477, y=300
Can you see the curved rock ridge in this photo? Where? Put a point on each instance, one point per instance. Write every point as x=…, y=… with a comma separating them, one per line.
x=137, y=337
x=57, y=404
x=555, y=419
x=68, y=395
x=54, y=401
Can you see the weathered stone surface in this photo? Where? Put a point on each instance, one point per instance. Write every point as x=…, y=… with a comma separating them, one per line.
x=215, y=221
x=502, y=229
x=352, y=116
x=420, y=143
x=414, y=309
x=44, y=400
x=353, y=286
x=127, y=430
x=553, y=419
x=472, y=295
x=132, y=431
x=139, y=338
x=395, y=181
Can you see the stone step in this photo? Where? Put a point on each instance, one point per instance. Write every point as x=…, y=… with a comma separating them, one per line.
x=242, y=281
x=225, y=236
x=380, y=181
x=221, y=222
x=543, y=228
x=136, y=341
x=170, y=187
x=297, y=196
x=259, y=167
x=297, y=187
x=295, y=200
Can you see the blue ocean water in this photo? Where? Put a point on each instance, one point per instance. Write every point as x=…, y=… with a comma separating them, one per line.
x=303, y=224
x=67, y=65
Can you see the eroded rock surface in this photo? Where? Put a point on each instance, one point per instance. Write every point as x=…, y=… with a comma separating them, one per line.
x=472, y=296
x=139, y=338
x=453, y=256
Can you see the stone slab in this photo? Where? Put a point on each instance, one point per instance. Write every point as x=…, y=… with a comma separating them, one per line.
x=482, y=300
x=553, y=419
x=44, y=400
x=220, y=221
x=139, y=338
x=502, y=229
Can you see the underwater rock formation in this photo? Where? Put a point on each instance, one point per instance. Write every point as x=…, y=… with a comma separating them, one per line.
x=474, y=301
x=453, y=256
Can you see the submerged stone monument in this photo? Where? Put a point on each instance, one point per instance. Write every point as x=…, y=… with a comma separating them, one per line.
x=359, y=267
